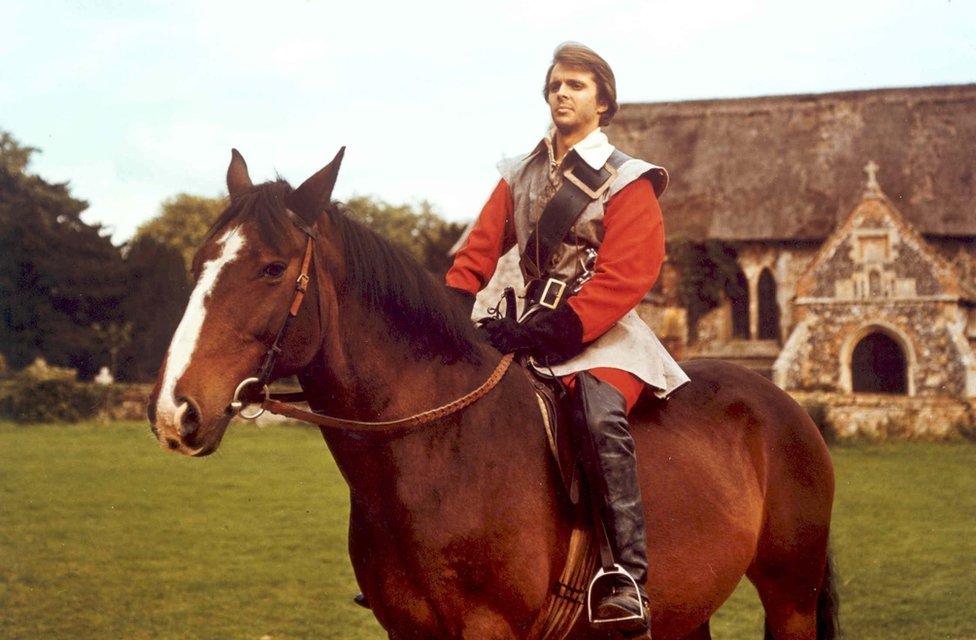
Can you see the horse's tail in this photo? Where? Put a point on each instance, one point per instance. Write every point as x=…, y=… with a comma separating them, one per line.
x=828, y=604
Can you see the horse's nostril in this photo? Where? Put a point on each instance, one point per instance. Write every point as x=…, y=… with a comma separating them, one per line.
x=172, y=443
x=188, y=416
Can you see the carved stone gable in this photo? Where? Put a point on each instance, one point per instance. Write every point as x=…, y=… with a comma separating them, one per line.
x=874, y=255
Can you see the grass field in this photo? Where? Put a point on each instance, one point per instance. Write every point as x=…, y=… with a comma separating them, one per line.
x=103, y=536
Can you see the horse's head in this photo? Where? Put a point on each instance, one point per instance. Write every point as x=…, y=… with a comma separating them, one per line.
x=246, y=272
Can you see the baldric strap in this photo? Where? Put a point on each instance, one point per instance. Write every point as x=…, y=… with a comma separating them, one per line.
x=581, y=186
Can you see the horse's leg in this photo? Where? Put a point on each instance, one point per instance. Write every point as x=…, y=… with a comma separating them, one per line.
x=788, y=572
x=799, y=606
x=701, y=633
x=791, y=570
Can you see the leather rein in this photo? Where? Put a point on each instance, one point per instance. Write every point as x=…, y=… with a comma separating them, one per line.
x=254, y=391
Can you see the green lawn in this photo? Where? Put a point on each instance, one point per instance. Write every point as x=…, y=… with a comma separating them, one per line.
x=104, y=536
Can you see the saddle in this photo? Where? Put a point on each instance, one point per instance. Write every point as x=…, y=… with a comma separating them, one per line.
x=557, y=420
x=567, y=598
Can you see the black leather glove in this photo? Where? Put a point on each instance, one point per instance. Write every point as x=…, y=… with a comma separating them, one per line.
x=548, y=336
x=462, y=297
x=557, y=335
x=505, y=334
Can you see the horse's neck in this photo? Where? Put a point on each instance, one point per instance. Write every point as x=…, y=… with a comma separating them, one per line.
x=380, y=378
x=364, y=373
x=468, y=500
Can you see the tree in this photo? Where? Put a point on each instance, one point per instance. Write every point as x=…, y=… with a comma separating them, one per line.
x=419, y=230
x=157, y=294
x=708, y=271
x=182, y=223
x=58, y=275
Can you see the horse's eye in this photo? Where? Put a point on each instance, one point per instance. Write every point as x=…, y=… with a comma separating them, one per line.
x=274, y=270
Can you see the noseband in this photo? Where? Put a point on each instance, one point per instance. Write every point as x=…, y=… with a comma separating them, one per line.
x=254, y=390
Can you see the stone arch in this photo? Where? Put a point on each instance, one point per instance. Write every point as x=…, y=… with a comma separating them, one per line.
x=738, y=294
x=878, y=357
x=768, y=325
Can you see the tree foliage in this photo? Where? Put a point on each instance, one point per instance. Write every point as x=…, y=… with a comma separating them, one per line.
x=182, y=223
x=418, y=229
x=157, y=295
x=58, y=274
x=708, y=271
x=70, y=296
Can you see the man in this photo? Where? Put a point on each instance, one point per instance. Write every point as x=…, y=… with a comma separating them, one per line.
x=591, y=240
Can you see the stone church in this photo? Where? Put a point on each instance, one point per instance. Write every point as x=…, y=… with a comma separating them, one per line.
x=852, y=217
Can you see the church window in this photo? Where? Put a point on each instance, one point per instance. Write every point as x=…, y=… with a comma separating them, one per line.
x=768, y=307
x=738, y=294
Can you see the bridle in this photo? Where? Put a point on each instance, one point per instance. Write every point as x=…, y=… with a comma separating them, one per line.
x=254, y=390
x=241, y=398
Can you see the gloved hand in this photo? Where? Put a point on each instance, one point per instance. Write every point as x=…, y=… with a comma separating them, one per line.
x=550, y=336
x=505, y=334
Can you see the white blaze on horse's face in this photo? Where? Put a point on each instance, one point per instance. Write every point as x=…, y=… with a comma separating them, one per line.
x=188, y=332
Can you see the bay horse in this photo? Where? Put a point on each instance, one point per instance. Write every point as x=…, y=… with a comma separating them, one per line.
x=458, y=529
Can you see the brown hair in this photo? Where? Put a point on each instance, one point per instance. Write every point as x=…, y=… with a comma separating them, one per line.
x=574, y=54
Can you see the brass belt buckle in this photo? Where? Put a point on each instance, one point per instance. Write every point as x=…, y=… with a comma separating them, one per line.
x=552, y=293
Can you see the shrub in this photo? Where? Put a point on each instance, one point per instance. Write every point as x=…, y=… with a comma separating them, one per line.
x=818, y=412
x=53, y=401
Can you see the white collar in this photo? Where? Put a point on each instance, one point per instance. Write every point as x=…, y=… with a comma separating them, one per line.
x=595, y=149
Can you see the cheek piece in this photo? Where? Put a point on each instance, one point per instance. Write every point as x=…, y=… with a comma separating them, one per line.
x=254, y=390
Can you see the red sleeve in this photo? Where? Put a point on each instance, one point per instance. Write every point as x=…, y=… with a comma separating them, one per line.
x=492, y=235
x=628, y=262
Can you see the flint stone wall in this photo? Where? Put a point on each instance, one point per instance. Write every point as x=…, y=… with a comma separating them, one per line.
x=880, y=417
x=815, y=357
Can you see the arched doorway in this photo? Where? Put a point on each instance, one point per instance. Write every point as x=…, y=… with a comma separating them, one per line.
x=768, y=307
x=879, y=365
x=738, y=294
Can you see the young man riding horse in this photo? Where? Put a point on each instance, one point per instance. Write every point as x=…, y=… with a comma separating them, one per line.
x=588, y=227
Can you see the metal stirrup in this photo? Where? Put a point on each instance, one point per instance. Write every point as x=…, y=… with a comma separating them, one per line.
x=617, y=570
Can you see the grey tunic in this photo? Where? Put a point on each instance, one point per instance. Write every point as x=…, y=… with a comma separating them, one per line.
x=630, y=344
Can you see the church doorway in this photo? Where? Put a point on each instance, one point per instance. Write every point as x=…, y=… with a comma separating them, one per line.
x=768, y=307
x=878, y=365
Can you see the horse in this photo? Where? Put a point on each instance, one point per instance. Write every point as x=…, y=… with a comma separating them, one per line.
x=458, y=528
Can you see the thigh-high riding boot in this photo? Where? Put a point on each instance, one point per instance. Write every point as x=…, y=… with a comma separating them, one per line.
x=611, y=472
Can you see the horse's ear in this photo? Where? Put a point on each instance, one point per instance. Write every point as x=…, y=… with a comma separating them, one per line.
x=238, y=180
x=310, y=199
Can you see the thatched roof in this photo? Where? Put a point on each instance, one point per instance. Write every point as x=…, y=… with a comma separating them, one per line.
x=791, y=167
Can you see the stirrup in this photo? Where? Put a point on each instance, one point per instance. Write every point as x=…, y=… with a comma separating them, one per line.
x=617, y=570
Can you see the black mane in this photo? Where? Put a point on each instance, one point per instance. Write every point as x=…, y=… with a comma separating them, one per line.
x=384, y=277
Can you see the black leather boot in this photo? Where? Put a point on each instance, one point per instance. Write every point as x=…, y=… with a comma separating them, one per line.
x=611, y=471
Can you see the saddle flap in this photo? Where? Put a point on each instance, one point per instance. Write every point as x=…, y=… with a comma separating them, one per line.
x=557, y=420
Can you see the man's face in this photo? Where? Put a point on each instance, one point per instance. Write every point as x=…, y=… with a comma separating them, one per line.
x=573, y=100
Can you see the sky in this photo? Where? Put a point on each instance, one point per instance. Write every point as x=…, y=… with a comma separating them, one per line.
x=133, y=102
